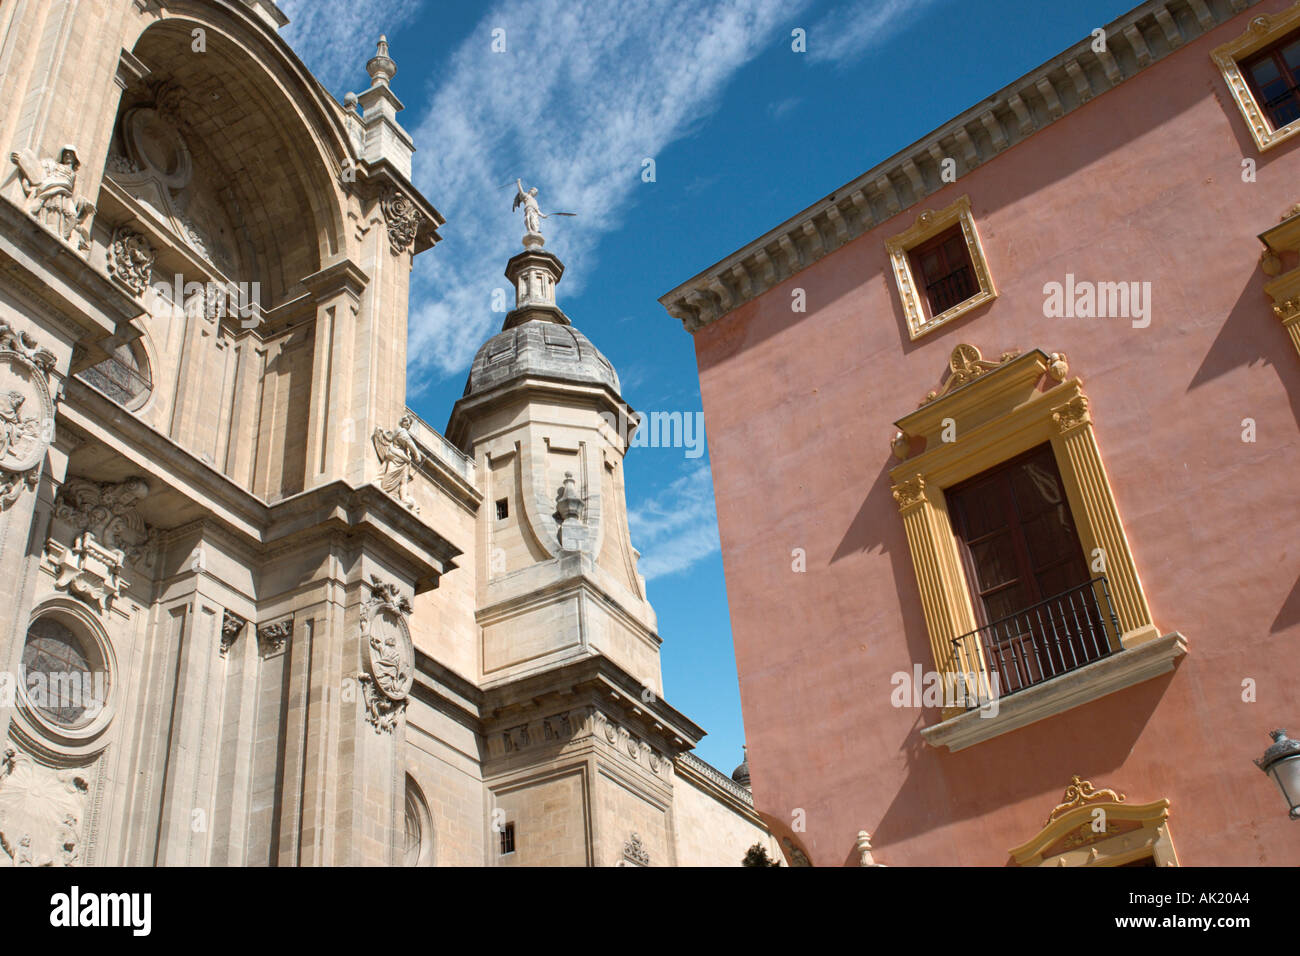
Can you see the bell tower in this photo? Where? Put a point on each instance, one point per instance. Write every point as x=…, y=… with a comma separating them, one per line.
x=580, y=740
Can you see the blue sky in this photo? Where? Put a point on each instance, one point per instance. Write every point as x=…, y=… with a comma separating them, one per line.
x=743, y=131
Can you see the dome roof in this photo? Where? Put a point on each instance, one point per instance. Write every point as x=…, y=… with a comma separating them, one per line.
x=543, y=349
x=741, y=773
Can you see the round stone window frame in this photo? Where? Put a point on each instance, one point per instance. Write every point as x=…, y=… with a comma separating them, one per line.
x=98, y=649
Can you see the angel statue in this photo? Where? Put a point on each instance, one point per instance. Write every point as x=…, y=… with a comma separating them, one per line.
x=533, y=214
x=400, y=456
x=50, y=185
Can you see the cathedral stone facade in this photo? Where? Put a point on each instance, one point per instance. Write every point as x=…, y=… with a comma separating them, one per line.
x=259, y=612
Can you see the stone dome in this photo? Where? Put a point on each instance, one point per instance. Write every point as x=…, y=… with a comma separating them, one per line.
x=542, y=349
x=741, y=773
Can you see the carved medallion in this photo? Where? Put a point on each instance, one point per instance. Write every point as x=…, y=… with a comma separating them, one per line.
x=388, y=656
x=26, y=411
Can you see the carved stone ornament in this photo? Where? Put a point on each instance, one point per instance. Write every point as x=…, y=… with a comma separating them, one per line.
x=1081, y=793
x=634, y=851
x=909, y=493
x=109, y=512
x=387, y=654
x=1072, y=414
x=400, y=457
x=26, y=411
x=87, y=570
x=403, y=219
x=966, y=364
x=50, y=187
x=232, y=625
x=272, y=638
x=41, y=810
x=130, y=259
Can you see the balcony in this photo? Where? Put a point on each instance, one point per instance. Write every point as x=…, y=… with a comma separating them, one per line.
x=1044, y=660
x=1047, y=639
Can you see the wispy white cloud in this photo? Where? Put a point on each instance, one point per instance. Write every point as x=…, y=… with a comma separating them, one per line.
x=678, y=527
x=583, y=94
x=782, y=107
x=854, y=28
x=329, y=35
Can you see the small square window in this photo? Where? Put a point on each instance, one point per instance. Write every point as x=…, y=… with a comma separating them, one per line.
x=503, y=509
x=943, y=271
x=1261, y=68
x=508, y=839
x=940, y=268
x=1274, y=77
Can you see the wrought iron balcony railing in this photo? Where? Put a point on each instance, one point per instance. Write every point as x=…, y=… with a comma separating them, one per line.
x=954, y=288
x=1045, y=640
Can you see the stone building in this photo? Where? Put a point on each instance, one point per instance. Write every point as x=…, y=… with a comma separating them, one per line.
x=1025, y=394
x=259, y=612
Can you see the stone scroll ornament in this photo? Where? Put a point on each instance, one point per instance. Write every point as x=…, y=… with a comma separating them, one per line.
x=26, y=411
x=403, y=220
x=50, y=187
x=387, y=655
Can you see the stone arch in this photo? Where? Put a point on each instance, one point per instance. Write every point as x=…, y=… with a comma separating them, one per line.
x=265, y=146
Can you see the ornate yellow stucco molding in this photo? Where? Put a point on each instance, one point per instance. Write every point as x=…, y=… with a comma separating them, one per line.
x=1284, y=287
x=928, y=225
x=1092, y=827
x=1002, y=410
x=1263, y=31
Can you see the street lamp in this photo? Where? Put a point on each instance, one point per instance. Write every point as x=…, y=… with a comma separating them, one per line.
x=1282, y=762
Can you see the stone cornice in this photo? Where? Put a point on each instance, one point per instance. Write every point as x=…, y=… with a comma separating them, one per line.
x=1144, y=35
x=62, y=281
x=710, y=778
x=595, y=681
x=384, y=173
x=334, y=506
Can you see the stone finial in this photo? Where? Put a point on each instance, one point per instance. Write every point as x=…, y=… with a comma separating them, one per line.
x=381, y=66
x=864, y=850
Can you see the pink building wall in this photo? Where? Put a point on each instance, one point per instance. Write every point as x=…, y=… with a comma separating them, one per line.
x=1143, y=183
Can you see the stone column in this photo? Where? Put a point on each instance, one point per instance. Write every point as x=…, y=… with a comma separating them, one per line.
x=1075, y=447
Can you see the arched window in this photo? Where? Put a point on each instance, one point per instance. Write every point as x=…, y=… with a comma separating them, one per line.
x=419, y=828
x=124, y=376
